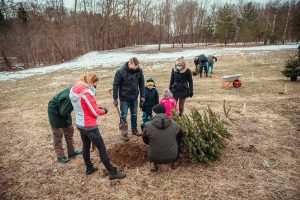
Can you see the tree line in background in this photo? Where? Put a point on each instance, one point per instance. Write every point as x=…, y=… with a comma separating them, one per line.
x=45, y=32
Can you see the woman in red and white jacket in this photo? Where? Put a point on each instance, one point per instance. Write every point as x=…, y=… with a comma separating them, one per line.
x=86, y=109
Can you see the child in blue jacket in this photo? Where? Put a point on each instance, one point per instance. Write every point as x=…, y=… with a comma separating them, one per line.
x=151, y=99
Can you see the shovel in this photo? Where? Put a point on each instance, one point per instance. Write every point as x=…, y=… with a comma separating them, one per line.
x=123, y=127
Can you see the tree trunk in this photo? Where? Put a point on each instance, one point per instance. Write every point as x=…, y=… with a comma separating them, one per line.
x=286, y=24
x=160, y=22
x=7, y=62
x=273, y=25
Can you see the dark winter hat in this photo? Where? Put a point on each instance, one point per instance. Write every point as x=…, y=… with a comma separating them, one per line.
x=149, y=81
x=159, y=108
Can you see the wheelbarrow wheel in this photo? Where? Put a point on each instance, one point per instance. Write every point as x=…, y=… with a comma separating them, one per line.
x=237, y=83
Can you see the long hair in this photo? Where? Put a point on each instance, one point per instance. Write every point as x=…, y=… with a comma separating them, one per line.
x=181, y=61
x=89, y=77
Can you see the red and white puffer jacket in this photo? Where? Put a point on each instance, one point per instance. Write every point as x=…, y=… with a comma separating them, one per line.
x=85, y=106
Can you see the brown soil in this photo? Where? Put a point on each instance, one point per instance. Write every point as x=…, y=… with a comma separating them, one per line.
x=129, y=155
x=261, y=162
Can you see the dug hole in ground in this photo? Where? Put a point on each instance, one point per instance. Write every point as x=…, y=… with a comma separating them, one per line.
x=261, y=161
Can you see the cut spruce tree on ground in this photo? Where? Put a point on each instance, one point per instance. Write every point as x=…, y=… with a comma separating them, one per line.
x=204, y=134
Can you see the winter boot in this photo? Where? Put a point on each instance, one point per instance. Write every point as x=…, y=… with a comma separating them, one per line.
x=153, y=167
x=63, y=160
x=123, y=127
x=74, y=154
x=91, y=170
x=118, y=175
x=136, y=133
x=142, y=126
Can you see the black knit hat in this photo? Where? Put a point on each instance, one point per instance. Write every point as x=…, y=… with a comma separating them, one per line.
x=150, y=81
x=159, y=108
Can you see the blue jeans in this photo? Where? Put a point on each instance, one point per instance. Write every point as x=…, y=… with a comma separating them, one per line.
x=88, y=136
x=132, y=105
x=146, y=117
x=211, y=67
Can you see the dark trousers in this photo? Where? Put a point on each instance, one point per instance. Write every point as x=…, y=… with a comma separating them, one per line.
x=205, y=66
x=178, y=140
x=94, y=136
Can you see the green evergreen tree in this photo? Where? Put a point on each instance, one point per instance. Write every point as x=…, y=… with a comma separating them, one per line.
x=204, y=134
x=225, y=28
x=248, y=22
x=22, y=14
x=1, y=15
x=295, y=29
x=2, y=8
x=292, y=68
x=208, y=29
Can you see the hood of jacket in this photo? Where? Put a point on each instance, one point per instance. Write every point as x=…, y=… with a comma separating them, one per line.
x=78, y=90
x=161, y=121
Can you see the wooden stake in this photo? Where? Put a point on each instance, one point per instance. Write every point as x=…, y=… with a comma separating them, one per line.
x=252, y=74
x=285, y=88
x=244, y=108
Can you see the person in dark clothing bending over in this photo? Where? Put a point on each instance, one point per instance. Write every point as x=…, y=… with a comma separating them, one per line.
x=59, y=113
x=203, y=62
x=211, y=61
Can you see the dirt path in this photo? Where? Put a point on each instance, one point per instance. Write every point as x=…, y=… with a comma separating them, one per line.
x=269, y=169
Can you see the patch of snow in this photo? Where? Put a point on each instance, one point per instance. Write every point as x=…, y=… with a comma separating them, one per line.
x=117, y=57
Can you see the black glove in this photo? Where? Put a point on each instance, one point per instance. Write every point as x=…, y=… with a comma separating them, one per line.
x=191, y=94
x=142, y=101
x=116, y=102
x=103, y=108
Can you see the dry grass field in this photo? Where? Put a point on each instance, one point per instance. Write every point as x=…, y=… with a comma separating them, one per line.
x=261, y=161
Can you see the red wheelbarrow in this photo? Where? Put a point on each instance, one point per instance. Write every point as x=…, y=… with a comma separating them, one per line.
x=229, y=80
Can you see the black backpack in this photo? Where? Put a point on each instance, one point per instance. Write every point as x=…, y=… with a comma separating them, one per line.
x=202, y=58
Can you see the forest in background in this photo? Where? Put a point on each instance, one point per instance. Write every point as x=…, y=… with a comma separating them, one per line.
x=36, y=32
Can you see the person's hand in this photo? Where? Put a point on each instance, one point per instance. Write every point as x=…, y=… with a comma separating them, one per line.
x=116, y=103
x=191, y=94
x=142, y=101
x=103, y=108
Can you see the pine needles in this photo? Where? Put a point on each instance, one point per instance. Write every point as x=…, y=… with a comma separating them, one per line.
x=204, y=134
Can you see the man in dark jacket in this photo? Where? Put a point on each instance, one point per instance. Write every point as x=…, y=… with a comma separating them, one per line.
x=160, y=134
x=128, y=83
x=59, y=113
x=203, y=62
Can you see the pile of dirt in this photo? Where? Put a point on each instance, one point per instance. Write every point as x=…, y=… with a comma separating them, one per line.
x=130, y=155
